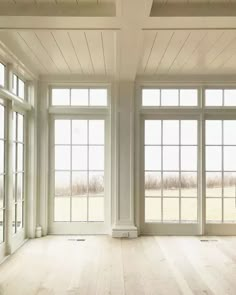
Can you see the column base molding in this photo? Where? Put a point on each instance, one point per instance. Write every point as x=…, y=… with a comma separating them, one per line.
x=125, y=231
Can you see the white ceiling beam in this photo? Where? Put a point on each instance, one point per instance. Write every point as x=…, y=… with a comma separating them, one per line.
x=60, y=9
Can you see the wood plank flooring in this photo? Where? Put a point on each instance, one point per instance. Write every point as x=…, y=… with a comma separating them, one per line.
x=100, y=265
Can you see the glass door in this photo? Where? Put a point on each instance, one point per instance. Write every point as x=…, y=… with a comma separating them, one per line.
x=79, y=185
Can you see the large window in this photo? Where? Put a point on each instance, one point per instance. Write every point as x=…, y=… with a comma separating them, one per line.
x=221, y=171
x=18, y=172
x=171, y=167
x=18, y=86
x=82, y=97
x=2, y=172
x=79, y=170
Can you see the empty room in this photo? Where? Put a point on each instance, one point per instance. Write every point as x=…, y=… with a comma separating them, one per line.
x=117, y=147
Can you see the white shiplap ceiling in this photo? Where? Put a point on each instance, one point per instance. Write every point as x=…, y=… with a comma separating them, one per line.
x=64, y=52
x=189, y=52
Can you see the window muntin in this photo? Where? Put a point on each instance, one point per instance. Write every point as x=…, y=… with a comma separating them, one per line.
x=2, y=173
x=18, y=172
x=18, y=86
x=81, y=97
x=220, y=97
x=2, y=75
x=169, y=97
x=170, y=178
x=220, y=171
x=79, y=170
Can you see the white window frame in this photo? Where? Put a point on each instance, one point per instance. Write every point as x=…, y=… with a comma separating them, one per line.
x=201, y=113
x=87, y=113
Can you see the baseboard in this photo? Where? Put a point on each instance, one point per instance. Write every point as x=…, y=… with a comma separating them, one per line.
x=130, y=232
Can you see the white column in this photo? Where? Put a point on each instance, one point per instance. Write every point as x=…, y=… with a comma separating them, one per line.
x=43, y=159
x=124, y=225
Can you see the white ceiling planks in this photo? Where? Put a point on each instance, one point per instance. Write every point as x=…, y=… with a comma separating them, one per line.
x=169, y=52
x=64, y=52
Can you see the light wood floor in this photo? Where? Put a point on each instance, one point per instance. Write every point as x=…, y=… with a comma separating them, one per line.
x=102, y=265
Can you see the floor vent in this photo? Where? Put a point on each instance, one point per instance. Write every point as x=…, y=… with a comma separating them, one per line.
x=76, y=240
x=206, y=240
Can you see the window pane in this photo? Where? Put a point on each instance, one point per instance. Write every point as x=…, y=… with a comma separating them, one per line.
x=79, y=97
x=19, y=187
x=230, y=97
x=19, y=215
x=152, y=209
x=213, y=210
x=171, y=184
x=62, y=132
x=1, y=156
x=229, y=132
x=169, y=97
x=2, y=74
x=62, y=209
x=213, y=132
x=189, y=132
x=20, y=129
x=213, y=97
x=14, y=84
x=189, y=158
x=1, y=121
x=230, y=158
x=61, y=97
x=79, y=183
x=62, y=158
x=150, y=97
x=98, y=97
x=79, y=209
x=20, y=157
x=170, y=132
x=1, y=191
x=152, y=158
x=189, y=210
x=96, y=183
x=213, y=158
x=171, y=209
x=14, y=156
x=229, y=210
x=213, y=184
x=79, y=158
x=62, y=183
x=21, y=88
x=152, y=132
x=79, y=131
x=1, y=226
x=13, y=218
x=170, y=158
x=96, y=132
x=14, y=126
x=230, y=184
x=188, y=184
x=188, y=97
x=152, y=184
x=96, y=158
x=96, y=209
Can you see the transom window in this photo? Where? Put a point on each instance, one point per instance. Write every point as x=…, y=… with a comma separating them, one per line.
x=170, y=176
x=18, y=172
x=79, y=170
x=18, y=86
x=2, y=75
x=220, y=97
x=169, y=97
x=2, y=172
x=83, y=97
